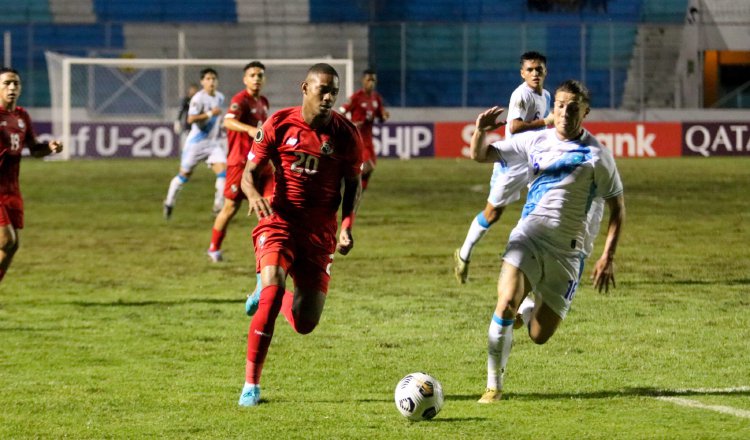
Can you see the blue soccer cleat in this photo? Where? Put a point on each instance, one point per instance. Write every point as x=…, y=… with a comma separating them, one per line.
x=250, y=395
x=251, y=305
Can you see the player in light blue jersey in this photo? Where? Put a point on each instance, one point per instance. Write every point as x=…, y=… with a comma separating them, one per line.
x=546, y=249
x=529, y=109
x=204, y=141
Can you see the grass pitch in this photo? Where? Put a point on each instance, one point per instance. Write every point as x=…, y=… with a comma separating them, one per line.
x=114, y=323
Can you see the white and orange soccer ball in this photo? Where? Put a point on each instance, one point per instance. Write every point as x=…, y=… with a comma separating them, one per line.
x=419, y=396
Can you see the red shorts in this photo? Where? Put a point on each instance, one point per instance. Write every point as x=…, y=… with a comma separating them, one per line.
x=368, y=150
x=305, y=254
x=11, y=211
x=233, y=188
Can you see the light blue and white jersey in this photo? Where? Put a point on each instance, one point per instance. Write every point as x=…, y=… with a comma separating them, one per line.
x=209, y=130
x=527, y=105
x=565, y=178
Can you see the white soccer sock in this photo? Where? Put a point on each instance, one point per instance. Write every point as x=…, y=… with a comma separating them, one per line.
x=499, y=343
x=476, y=232
x=219, y=195
x=526, y=309
x=174, y=187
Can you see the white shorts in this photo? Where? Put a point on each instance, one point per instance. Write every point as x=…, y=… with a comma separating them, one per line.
x=194, y=152
x=553, y=274
x=506, y=183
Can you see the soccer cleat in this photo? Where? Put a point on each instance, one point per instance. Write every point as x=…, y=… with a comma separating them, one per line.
x=251, y=304
x=461, y=268
x=167, y=211
x=250, y=395
x=215, y=256
x=524, y=312
x=491, y=395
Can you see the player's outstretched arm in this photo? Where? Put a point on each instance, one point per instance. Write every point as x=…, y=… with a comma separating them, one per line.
x=486, y=121
x=349, y=206
x=257, y=203
x=604, y=269
x=44, y=149
x=235, y=125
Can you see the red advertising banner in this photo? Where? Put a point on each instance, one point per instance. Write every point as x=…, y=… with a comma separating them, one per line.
x=639, y=139
x=716, y=139
x=452, y=138
x=625, y=139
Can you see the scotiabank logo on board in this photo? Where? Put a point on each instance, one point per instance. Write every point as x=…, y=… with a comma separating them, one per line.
x=716, y=139
x=624, y=139
x=638, y=139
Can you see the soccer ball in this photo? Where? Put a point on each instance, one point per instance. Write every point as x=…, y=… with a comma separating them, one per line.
x=419, y=396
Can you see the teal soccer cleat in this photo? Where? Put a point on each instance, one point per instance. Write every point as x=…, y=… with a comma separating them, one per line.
x=250, y=395
x=251, y=305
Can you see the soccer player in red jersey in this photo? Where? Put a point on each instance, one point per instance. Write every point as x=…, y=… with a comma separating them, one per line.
x=365, y=106
x=15, y=135
x=247, y=111
x=315, y=151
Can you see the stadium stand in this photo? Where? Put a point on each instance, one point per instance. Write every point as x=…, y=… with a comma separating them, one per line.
x=454, y=53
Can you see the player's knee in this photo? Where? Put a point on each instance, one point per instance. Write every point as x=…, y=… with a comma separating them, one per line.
x=539, y=339
x=9, y=244
x=305, y=326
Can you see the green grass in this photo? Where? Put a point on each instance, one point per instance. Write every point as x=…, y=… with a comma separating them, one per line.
x=114, y=324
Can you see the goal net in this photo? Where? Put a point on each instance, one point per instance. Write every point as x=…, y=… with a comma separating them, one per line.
x=121, y=107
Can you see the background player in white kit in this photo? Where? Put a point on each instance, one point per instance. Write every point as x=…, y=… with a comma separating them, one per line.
x=545, y=251
x=529, y=109
x=203, y=142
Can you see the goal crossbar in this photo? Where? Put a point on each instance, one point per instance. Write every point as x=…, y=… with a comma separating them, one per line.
x=60, y=80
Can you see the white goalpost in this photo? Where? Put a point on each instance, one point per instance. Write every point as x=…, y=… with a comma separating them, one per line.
x=122, y=107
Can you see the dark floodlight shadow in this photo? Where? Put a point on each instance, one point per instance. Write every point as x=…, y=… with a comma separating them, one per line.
x=124, y=303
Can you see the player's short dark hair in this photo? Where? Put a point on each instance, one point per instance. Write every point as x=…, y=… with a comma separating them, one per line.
x=208, y=70
x=575, y=87
x=323, y=68
x=369, y=71
x=255, y=63
x=5, y=69
x=532, y=56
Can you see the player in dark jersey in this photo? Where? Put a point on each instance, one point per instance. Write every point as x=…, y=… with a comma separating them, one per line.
x=365, y=107
x=315, y=151
x=15, y=135
x=247, y=111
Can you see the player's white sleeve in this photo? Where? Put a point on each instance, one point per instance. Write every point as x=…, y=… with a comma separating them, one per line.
x=606, y=176
x=517, y=107
x=513, y=151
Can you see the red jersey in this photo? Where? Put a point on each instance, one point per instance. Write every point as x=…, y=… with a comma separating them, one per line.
x=365, y=108
x=310, y=164
x=249, y=110
x=15, y=134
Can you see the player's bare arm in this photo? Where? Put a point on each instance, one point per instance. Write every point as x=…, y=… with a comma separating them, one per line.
x=257, y=203
x=235, y=125
x=519, y=125
x=349, y=205
x=204, y=117
x=604, y=269
x=486, y=121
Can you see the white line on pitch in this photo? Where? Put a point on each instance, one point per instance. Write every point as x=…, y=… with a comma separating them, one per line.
x=707, y=390
x=718, y=408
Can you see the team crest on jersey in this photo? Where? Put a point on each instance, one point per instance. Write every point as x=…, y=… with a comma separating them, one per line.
x=259, y=135
x=521, y=105
x=21, y=124
x=326, y=148
x=234, y=106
